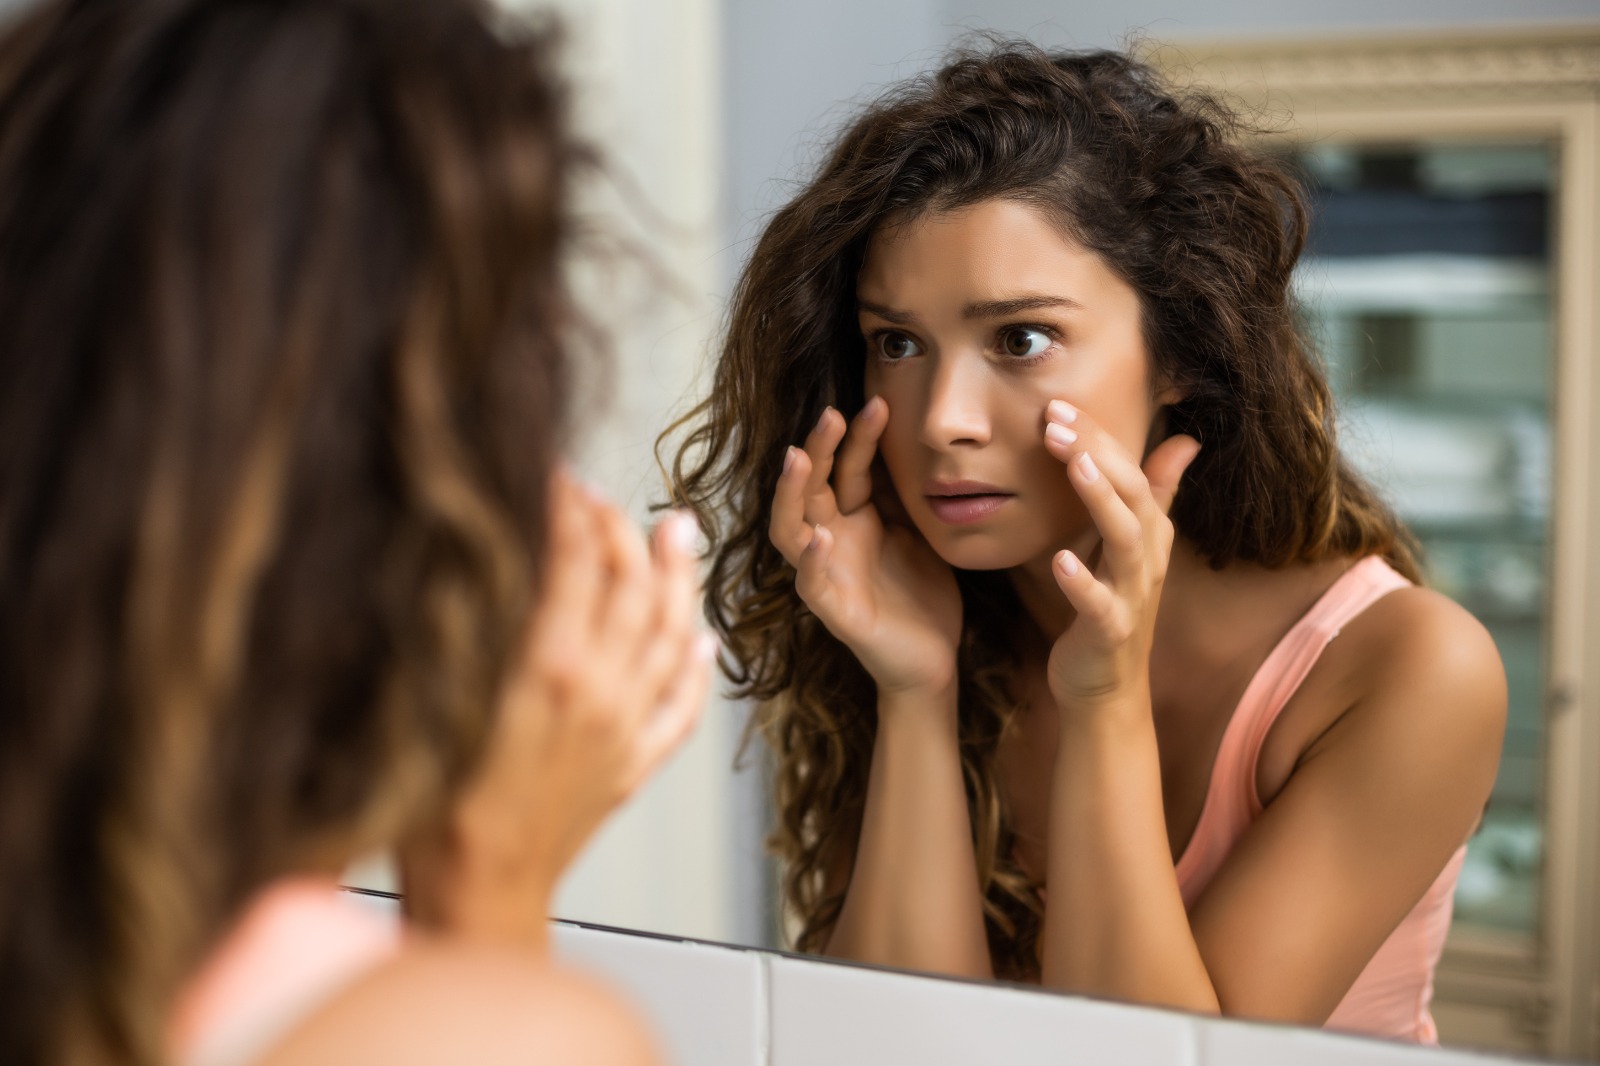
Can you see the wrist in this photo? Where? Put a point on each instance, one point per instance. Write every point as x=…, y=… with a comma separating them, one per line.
x=489, y=882
x=934, y=702
x=1117, y=710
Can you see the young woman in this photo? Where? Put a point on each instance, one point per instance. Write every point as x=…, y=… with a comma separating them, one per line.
x=1027, y=724
x=285, y=573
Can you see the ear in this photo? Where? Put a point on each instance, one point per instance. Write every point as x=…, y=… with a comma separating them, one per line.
x=1167, y=395
x=1164, y=466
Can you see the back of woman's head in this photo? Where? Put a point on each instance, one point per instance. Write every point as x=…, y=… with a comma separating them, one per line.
x=1205, y=232
x=281, y=380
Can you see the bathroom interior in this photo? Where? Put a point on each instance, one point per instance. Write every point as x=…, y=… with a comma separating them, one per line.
x=1452, y=155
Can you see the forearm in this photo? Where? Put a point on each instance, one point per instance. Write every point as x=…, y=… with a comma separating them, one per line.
x=1115, y=924
x=913, y=898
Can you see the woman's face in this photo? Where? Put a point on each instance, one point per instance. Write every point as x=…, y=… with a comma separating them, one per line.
x=974, y=320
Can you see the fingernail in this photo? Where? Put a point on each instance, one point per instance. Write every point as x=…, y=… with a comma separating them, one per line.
x=1059, y=434
x=706, y=646
x=823, y=417
x=816, y=538
x=1061, y=411
x=1069, y=563
x=788, y=458
x=1090, y=471
x=683, y=532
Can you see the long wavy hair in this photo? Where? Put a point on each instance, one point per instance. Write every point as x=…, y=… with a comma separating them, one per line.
x=282, y=378
x=1205, y=232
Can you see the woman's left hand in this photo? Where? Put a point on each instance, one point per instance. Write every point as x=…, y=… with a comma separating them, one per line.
x=1113, y=576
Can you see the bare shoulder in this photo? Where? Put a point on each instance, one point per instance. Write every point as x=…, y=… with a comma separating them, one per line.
x=1424, y=665
x=1418, y=635
x=441, y=1003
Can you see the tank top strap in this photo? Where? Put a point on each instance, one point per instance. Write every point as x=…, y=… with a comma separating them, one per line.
x=1287, y=667
x=1232, y=801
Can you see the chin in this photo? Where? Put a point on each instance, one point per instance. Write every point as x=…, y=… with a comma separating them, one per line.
x=980, y=551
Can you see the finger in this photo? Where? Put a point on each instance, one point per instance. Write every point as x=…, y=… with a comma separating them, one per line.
x=669, y=641
x=811, y=579
x=787, y=528
x=1164, y=467
x=852, y=472
x=627, y=605
x=671, y=722
x=573, y=574
x=1121, y=531
x=1070, y=433
x=1095, y=604
x=820, y=447
x=675, y=546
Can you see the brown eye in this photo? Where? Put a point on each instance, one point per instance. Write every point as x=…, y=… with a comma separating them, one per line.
x=1022, y=342
x=893, y=346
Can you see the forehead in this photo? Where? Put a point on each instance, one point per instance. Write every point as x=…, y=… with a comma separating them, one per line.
x=984, y=250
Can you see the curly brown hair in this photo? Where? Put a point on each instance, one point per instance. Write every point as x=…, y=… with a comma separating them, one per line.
x=1155, y=182
x=282, y=378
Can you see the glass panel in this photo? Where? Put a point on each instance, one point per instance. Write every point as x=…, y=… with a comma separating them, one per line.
x=1426, y=285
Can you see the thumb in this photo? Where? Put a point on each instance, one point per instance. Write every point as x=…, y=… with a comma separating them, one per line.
x=1164, y=467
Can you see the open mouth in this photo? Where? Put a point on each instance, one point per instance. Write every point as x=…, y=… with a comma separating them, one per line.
x=964, y=504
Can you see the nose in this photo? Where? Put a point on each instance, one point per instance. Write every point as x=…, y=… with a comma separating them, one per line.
x=957, y=411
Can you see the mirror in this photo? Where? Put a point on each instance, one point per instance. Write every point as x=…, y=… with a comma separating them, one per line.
x=1458, y=187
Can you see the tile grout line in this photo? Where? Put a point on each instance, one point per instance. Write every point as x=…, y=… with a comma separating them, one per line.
x=764, y=1022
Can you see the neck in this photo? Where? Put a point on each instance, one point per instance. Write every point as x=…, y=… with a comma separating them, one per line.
x=1042, y=598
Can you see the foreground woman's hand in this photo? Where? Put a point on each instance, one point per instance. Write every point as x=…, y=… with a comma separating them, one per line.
x=612, y=677
x=880, y=589
x=1104, y=655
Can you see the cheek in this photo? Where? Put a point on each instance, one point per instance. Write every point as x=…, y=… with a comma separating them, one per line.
x=898, y=448
x=1110, y=385
x=898, y=443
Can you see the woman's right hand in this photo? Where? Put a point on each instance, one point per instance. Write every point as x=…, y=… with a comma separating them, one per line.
x=612, y=676
x=879, y=588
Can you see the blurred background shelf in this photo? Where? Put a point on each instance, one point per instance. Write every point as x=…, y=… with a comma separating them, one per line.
x=1428, y=291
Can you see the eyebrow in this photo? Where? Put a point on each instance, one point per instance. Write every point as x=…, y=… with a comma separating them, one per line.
x=981, y=309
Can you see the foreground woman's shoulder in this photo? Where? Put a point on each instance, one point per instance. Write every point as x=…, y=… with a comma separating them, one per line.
x=438, y=1003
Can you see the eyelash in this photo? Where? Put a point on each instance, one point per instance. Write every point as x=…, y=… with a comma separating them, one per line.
x=875, y=342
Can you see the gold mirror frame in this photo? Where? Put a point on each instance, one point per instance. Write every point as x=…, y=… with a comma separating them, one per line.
x=1508, y=993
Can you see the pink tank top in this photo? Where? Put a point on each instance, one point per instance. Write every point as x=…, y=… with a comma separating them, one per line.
x=299, y=943
x=1391, y=996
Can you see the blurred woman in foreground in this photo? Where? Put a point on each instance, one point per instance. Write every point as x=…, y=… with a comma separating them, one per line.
x=286, y=569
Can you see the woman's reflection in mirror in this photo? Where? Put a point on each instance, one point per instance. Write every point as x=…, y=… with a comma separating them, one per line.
x=1031, y=535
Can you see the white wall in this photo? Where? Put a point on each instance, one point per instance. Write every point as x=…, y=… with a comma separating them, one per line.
x=648, y=85
x=793, y=71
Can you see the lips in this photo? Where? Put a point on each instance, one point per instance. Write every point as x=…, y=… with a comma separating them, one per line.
x=960, y=503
